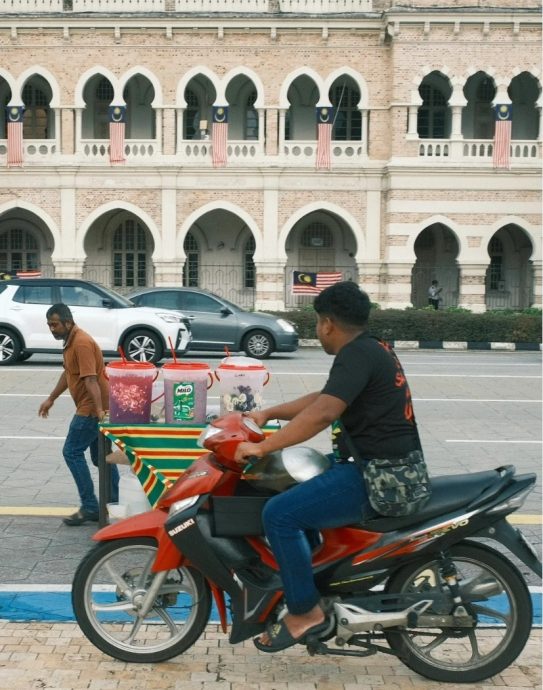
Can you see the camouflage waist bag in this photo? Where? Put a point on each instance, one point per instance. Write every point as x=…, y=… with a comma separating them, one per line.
x=397, y=487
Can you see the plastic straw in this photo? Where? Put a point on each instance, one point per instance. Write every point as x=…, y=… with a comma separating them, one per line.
x=173, y=351
x=121, y=352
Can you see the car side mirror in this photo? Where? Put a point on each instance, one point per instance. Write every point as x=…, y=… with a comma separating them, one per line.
x=225, y=311
x=107, y=303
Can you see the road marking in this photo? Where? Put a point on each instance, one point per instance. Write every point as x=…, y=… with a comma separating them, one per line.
x=59, y=511
x=489, y=440
x=34, y=438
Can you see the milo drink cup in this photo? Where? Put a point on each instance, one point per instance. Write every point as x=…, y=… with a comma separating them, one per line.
x=185, y=392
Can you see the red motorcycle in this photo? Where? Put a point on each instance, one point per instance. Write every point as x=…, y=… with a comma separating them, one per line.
x=424, y=584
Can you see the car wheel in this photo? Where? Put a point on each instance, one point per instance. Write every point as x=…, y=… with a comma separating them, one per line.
x=10, y=347
x=143, y=346
x=258, y=344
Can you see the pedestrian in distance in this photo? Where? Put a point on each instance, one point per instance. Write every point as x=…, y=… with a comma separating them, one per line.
x=434, y=294
x=84, y=377
x=367, y=390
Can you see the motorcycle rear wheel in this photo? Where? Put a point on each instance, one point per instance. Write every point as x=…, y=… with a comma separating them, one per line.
x=109, y=584
x=502, y=628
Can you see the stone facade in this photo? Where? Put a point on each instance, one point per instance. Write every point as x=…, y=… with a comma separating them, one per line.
x=411, y=194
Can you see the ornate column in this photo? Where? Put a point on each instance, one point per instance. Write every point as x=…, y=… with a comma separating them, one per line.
x=472, y=290
x=158, y=129
x=272, y=131
x=66, y=136
x=365, y=131
x=78, y=129
x=168, y=131
x=270, y=285
x=412, y=112
x=179, y=136
x=281, y=132
x=537, y=288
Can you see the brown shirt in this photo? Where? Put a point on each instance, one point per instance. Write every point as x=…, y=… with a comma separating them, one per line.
x=83, y=357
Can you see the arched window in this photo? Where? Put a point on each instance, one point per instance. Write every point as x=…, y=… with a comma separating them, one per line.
x=495, y=277
x=432, y=113
x=317, y=235
x=192, y=264
x=248, y=263
x=484, y=114
x=524, y=91
x=347, y=117
x=192, y=115
x=129, y=255
x=251, y=118
x=19, y=251
x=36, y=113
x=102, y=101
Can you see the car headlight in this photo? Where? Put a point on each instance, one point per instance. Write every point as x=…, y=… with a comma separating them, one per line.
x=285, y=325
x=169, y=317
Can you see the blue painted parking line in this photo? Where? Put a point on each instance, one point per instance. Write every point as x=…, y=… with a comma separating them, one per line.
x=53, y=604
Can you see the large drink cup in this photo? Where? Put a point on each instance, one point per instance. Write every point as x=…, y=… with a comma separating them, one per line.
x=185, y=392
x=241, y=381
x=130, y=391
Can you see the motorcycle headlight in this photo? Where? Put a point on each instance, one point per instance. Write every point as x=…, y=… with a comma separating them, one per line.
x=285, y=325
x=169, y=318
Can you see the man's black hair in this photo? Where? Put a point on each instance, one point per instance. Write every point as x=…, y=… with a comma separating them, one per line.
x=344, y=302
x=61, y=310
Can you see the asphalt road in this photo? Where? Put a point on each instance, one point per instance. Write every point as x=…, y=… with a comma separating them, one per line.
x=475, y=411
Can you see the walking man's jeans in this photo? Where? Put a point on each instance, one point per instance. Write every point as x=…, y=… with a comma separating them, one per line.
x=83, y=434
x=333, y=499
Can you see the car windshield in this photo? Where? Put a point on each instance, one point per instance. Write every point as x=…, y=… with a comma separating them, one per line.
x=118, y=300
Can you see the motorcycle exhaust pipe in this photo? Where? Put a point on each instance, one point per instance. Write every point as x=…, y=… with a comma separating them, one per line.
x=483, y=587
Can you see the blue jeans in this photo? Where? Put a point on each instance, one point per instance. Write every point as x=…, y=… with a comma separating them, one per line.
x=335, y=498
x=83, y=434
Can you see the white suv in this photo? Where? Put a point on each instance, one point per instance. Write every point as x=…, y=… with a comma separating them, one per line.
x=111, y=319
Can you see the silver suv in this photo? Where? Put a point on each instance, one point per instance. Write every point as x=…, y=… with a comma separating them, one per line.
x=111, y=319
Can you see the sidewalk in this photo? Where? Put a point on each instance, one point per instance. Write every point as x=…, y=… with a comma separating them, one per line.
x=41, y=656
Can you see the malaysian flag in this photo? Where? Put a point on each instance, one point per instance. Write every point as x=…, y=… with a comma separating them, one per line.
x=14, y=117
x=502, y=135
x=325, y=121
x=219, y=136
x=306, y=283
x=117, y=120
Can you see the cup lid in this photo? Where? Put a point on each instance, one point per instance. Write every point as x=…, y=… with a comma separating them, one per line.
x=187, y=366
x=141, y=366
x=247, y=363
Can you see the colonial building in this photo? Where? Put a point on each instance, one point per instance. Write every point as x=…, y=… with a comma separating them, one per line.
x=412, y=190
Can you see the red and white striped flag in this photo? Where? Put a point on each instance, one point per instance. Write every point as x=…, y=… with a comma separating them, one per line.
x=325, y=120
x=219, y=136
x=117, y=120
x=324, y=280
x=14, y=116
x=502, y=136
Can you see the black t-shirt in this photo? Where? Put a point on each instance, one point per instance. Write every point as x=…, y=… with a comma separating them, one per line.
x=367, y=375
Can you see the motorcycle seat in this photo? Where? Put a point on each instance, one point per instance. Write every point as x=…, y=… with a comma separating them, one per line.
x=449, y=493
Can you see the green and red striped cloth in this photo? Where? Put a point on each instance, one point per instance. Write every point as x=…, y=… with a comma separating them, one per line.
x=158, y=453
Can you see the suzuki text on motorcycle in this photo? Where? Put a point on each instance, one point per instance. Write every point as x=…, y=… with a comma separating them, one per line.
x=424, y=588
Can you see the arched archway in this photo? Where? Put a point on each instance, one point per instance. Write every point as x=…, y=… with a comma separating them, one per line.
x=509, y=276
x=345, y=97
x=300, y=122
x=478, y=114
x=436, y=249
x=199, y=95
x=241, y=96
x=98, y=94
x=434, y=115
x=119, y=246
x=219, y=246
x=26, y=243
x=320, y=241
x=524, y=91
x=139, y=95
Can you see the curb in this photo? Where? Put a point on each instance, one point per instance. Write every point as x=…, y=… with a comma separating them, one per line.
x=447, y=345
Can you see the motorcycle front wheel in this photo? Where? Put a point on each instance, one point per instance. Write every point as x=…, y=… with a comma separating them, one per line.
x=494, y=594
x=109, y=588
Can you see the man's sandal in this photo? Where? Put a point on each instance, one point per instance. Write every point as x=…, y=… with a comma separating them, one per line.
x=280, y=638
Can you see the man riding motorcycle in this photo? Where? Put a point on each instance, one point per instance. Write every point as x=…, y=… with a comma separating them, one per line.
x=366, y=390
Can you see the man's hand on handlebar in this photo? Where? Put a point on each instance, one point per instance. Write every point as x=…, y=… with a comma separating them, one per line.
x=247, y=450
x=258, y=416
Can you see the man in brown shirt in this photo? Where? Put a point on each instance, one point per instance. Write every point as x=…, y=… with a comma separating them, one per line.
x=84, y=377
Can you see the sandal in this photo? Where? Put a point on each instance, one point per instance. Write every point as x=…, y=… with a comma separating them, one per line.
x=280, y=637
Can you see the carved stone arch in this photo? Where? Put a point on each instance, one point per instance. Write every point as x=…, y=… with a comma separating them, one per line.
x=192, y=219
x=37, y=70
x=185, y=80
x=349, y=219
x=12, y=84
x=144, y=72
x=92, y=72
x=118, y=206
x=533, y=233
x=251, y=75
x=356, y=77
x=302, y=72
x=420, y=76
x=40, y=214
x=434, y=220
